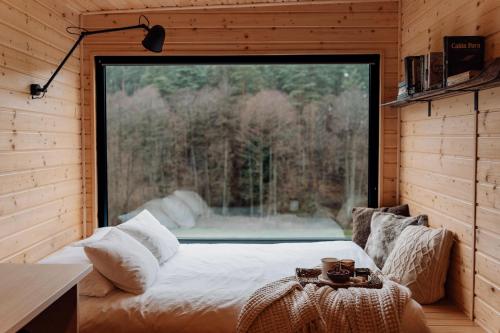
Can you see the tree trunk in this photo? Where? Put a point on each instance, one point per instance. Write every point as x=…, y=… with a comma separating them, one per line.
x=250, y=162
x=224, y=190
x=275, y=180
x=270, y=187
x=195, y=172
x=261, y=183
x=207, y=182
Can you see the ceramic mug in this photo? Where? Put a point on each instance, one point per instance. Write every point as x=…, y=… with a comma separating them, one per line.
x=327, y=264
x=348, y=264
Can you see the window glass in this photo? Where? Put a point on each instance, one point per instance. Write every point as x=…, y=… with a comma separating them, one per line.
x=239, y=151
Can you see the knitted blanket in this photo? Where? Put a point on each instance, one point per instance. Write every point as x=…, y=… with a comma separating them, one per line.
x=284, y=306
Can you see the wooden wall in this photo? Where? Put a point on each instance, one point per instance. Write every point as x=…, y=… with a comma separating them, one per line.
x=40, y=140
x=487, y=277
x=335, y=28
x=447, y=156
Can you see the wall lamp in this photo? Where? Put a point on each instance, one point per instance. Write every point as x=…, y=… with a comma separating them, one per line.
x=155, y=37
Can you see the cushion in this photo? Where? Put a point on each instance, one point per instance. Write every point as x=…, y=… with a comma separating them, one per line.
x=150, y=233
x=193, y=201
x=385, y=229
x=94, y=284
x=362, y=217
x=123, y=260
x=155, y=207
x=98, y=234
x=179, y=211
x=420, y=261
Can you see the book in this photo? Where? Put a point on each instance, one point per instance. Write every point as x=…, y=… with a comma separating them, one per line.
x=421, y=73
x=462, y=77
x=414, y=73
x=408, y=63
x=434, y=70
x=462, y=54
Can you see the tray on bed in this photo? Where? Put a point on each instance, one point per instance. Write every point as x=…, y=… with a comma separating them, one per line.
x=311, y=275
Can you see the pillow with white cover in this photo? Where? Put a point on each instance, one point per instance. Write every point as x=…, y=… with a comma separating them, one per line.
x=97, y=235
x=385, y=229
x=94, y=284
x=420, y=261
x=155, y=207
x=150, y=233
x=123, y=260
x=194, y=201
x=179, y=211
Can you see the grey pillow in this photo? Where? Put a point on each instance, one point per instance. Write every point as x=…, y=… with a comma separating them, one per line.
x=361, y=219
x=385, y=229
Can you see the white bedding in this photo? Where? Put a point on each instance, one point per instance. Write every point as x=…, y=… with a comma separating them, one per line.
x=203, y=287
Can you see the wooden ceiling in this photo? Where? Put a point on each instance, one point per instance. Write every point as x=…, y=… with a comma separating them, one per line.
x=95, y=6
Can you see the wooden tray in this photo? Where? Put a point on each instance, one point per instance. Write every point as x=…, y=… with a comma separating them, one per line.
x=313, y=275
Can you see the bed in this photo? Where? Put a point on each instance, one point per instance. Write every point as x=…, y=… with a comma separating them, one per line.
x=204, y=286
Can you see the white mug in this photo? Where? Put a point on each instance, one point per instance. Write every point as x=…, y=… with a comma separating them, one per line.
x=327, y=264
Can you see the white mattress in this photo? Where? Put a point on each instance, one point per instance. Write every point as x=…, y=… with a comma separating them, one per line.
x=204, y=286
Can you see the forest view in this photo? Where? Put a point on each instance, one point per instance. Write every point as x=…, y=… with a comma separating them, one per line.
x=270, y=150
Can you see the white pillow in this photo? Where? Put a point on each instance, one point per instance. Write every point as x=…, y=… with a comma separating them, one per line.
x=194, y=201
x=155, y=207
x=94, y=284
x=98, y=234
x=150, y=233
x=123, y=260
x=179, y=211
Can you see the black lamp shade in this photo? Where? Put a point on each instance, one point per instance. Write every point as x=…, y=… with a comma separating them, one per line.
x=154, y=39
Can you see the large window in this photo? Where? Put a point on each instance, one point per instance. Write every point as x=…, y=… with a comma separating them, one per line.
x=238, y=147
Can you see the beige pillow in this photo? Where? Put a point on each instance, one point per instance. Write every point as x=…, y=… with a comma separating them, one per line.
x=149, y=232
x=123, y=260
x=420, y=261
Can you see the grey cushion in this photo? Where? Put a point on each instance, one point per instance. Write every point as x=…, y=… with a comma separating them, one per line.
x=361, y=219
x=385, y=229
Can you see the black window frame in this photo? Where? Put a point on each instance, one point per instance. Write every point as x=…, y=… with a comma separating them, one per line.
x=373, y=60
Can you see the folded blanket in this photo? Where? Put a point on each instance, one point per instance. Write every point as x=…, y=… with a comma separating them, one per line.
x=284, y=306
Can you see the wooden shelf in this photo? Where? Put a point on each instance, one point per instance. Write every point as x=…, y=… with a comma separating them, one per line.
x=489, y=78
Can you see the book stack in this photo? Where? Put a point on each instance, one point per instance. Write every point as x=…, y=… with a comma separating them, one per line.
x=462, y=60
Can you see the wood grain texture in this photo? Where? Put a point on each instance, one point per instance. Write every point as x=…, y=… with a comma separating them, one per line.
x=334, y=27
x=445, y=317
x=29, y=290
x=439, y=155
x=487, y=278
x=40, y=140
x=436, y=178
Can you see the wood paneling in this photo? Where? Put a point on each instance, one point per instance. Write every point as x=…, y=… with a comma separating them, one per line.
x=315, y=28
x=153, y=5
x=437, y=179
x=443, y=154
x=444, y=317
x=487, y=279
x=40, y=140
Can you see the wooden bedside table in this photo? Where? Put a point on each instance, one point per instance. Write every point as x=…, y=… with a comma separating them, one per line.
x=40, y=297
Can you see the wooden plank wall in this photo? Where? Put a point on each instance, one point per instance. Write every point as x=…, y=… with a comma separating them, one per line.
x=360, y=27
x=40, y=140
x=438, y=168
x=487, y=277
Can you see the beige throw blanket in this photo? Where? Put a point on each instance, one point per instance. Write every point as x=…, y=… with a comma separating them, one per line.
x=284, y=306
